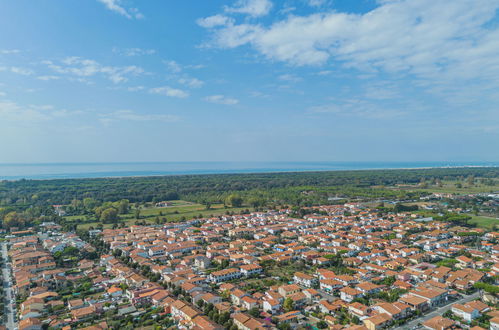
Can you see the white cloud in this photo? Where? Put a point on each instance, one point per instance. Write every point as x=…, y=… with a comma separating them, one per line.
x=381, y=92
x=17, y=70
x=289, y=77
x=221, y=99
x=115, y=5
x=135, y=88
x=173, y=66
x=80, y=67
x=12, y=111
x=134, y=51
x=212, y=21
x=434, y=40
x=130, y=115
x=9, y=51
x=169, y=91
x=195, y=66
x=46, y=78
x=359, y=108
x=191, y=82
x=254, y=8
x=259, y=94
x=324, y=73
x=316, y=3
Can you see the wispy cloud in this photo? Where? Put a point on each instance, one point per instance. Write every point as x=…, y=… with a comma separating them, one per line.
x=359, y=108
x=221, y=99
x=130, y=115
x=173, y=66
x=290, y=77
x=117, y=7
x=316, y=3
x=169, y=91
x=12, y=111
x=80, y=67
x=17, y=70
x=254, y=8
x=134, y=51
x=191, y=82
x=9, y=51
x=213, y=21
x=324, y=73
x=47, y=78
x=135, y=88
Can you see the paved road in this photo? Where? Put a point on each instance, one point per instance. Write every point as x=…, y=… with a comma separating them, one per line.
x=440, y=311
x=9, y=295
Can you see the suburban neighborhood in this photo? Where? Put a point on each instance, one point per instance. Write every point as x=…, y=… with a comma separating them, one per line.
x=338, y=266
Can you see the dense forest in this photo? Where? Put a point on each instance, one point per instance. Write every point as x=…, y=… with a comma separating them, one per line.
x=27, y=202
x=214, y=188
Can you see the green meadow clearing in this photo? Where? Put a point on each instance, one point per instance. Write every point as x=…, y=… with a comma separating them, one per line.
x=179, y=210
x=484, y=222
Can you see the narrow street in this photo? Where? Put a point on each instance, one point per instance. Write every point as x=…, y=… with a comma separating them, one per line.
x=10, y=311
x=439, y=311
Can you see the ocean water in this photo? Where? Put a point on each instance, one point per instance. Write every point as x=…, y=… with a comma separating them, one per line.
x=97, y=170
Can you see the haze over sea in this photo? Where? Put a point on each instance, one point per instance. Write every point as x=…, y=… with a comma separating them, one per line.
x=98, y=170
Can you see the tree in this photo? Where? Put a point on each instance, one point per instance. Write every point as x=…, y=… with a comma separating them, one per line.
x=234, y=200
x=493, y=289
x=255, y=312
x=123, y=206
x=470, y=180
x=137, y=213
x=90, y=203
x=288, y=305
x=109, y=215
x=284, y=326
x=224, y=317
x=255, y=202
x=12, y=219
x=321, y=324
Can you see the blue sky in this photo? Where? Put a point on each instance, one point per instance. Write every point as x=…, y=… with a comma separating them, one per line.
x=263, y=80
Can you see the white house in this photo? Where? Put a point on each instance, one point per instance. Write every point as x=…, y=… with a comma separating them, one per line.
x=304, y=279
x=348, y=294
x=225, y=275
x=248, y=270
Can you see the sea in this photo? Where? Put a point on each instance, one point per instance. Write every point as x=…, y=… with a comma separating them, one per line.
x=100, y=170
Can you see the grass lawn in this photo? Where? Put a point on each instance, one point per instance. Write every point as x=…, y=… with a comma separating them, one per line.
x=174, y=213
x=484, y=222
x=74, y=217
x=450, y=188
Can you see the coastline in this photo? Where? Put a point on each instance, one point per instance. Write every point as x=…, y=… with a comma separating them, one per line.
x=63, y=171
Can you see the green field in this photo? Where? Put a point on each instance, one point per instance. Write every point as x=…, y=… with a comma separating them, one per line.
x=178, y=211
x=450, y=187
x=484, y=222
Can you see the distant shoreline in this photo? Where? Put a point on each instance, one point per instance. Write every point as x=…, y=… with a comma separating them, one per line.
x=47, y=171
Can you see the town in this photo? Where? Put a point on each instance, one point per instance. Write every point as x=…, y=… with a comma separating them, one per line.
x=339, y=266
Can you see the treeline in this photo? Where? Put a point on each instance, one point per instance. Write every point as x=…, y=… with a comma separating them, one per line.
x=289, y=187
x=24, y=217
